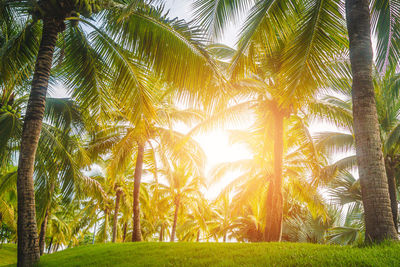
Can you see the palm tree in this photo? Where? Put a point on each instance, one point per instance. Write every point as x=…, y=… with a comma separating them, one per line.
x=263, y=77
x=348, y=221
x=378, y=216
x=152, y=132
x=195, y=220
x=58, y=149
x=52, y=17
x=286, y=76
x=118, y=194
x=222, y=217
x=319, y=25
x=251, y=183
x=387, y=104
x=183, y=185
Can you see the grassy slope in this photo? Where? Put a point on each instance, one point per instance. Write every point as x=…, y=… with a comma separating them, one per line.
x=218, y=254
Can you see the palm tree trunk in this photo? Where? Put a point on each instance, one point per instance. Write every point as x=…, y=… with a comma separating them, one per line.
x=136, y=234
x=28, y=246
x=106, y=216
x=224, y=239
x=177, y=204
x=49, y=248
x=42, y=235
x=374, y=187
x=43, y=227
x=161, y=233
x=198, y=236
x=391, y=172
x=114, y=233
x=94, y=231
x=124, y=235
x=274, y=204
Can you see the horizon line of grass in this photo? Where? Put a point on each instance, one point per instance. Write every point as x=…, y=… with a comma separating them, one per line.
x=220, y=254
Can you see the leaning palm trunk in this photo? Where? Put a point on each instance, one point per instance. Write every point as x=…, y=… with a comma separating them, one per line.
x=371, y=167
x=391, y=172
x=274, y=203
x=28, y=249
x=114, y=230
x=136, y=234
x=125, y=230
x=49, y=248
x=42, y=235
x=43, y=228
x=177, y=204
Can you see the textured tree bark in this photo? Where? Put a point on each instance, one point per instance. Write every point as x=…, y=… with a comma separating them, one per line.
x=371, y=167
x=28, y=246
x=391, y=172
x=117, y=198
x=177, y=204
x=42, y=235
x=274, y=203
x=136, y=234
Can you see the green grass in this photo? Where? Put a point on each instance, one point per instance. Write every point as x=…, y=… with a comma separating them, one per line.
x=219, y=254
x=8, y=254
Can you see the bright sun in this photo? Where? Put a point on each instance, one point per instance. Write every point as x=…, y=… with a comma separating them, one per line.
x=218, y=149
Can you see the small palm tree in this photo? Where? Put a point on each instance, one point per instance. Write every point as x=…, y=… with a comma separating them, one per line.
x=183, y=185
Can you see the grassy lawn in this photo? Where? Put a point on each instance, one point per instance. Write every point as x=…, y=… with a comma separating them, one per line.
x=8, y=254
x=217, y=254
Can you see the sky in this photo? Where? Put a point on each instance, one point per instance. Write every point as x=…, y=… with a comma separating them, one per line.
x=183, y=10
x=216, y=143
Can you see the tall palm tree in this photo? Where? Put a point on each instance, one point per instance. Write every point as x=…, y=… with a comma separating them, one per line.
x=320, y=24
x=251, y=183
x=378, y=216
x=61, y=155
x=387, y=103
x=51, y=16
x=274, y=102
